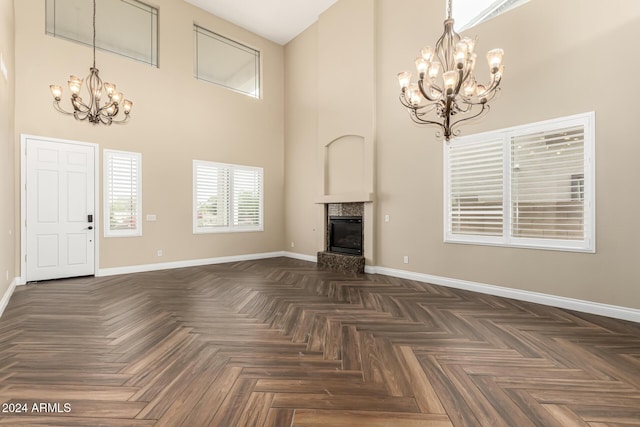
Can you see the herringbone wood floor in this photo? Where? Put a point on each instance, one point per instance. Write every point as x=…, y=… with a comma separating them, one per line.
x=280, y=343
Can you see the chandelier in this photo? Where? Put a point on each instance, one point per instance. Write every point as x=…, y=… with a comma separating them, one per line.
x=446, y=85
x=94, y=111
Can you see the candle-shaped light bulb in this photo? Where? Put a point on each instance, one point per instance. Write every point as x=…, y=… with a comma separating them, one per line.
x=471, y=44
x=421, y=65
x=427, y=53
x=116, y=97
x=56, y=91
x=414, y=95
x=434, y=70
x=75, y=84
x=128, y=105
x=494, y=58
x=109, y=88
x=470, y=88
x=404, y=79
x=450, y=81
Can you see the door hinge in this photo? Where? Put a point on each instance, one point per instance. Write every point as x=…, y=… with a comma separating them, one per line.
x=25, y=258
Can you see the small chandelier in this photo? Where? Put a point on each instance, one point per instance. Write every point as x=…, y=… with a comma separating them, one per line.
x=446, y=84
x=93, y=111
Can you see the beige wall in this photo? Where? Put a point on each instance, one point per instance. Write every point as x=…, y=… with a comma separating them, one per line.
x=175, y=120
x=7, y=165
x=559, y=59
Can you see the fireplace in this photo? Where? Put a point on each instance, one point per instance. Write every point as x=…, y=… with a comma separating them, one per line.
x=345, y=234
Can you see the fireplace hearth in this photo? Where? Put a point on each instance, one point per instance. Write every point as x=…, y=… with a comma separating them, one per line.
x=344, y=238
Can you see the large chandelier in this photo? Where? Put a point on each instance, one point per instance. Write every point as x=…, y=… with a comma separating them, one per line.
x=94, y=111
x=446, y=84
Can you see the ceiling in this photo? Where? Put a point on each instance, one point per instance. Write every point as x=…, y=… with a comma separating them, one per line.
x=276, y=20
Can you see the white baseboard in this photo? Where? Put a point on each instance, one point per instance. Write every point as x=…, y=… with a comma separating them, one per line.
x=301, y=257
x=616, y=312
x=4, y=301
x=182, y=264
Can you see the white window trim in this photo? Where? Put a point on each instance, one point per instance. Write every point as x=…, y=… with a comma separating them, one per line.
x=587, y=245
x=202, y=30
x=105, y=202
x=230, y=228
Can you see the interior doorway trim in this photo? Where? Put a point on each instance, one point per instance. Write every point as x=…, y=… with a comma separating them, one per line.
x=23, y=198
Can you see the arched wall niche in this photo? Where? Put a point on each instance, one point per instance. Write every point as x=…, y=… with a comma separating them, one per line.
x=345, y=165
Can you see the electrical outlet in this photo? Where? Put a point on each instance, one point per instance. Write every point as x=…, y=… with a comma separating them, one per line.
x=387, y=218
x=159, y=252
x=152, y=217
x=293, y=245
x=406, y=259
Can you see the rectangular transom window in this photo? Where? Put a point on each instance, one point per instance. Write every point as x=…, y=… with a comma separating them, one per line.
x=226, y=62
x=122, y=193
x=135, y=34
x=527, y=186
x=226, y=197
x=468, y=13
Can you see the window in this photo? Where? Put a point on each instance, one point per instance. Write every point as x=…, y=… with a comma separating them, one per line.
x=468, y=13
x=135, y=35
x=122, y=193
x=225, y=62
x=527, y=186
x=226, y=197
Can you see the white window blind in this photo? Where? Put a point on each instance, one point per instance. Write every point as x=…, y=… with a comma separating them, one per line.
x=122, y=193
x=247, y=196
x=547, y=190
x=527, y=186
x=477, y=183
x=227, y=197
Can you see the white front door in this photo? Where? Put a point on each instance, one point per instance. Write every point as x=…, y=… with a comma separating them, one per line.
x=60, y=217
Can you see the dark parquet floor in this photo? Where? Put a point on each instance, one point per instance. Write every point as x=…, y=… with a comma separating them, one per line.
x=279, y=343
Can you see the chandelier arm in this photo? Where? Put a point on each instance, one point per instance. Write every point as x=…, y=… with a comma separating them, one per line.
x=424, y=109
x=417, y=119
x=423, y=91
x=484, y=110
x=56, y=105
x=79, y=106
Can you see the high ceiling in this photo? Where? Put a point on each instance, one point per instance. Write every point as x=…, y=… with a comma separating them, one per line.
x=276, y=20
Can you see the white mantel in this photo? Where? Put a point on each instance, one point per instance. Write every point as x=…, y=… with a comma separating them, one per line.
x=346, y=198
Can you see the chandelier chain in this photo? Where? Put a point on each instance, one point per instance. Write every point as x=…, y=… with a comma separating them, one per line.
x=94, y=33
x=449, y=9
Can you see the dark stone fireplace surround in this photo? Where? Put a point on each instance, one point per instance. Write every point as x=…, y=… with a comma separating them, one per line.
x=338, y=261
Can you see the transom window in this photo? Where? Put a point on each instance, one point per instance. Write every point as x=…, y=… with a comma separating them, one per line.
x=527, y=186
x=135, y=34
x=226, y=62
x=468, y=13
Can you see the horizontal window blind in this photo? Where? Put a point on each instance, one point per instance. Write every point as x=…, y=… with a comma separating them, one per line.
x=547, y=190
x=122, y=193
x=476, y=188
x=227, y=197
x=526, y=186
x=247, y=196
x=212, y=184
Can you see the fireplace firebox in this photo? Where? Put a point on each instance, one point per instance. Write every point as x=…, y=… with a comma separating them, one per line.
x=345, y=234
